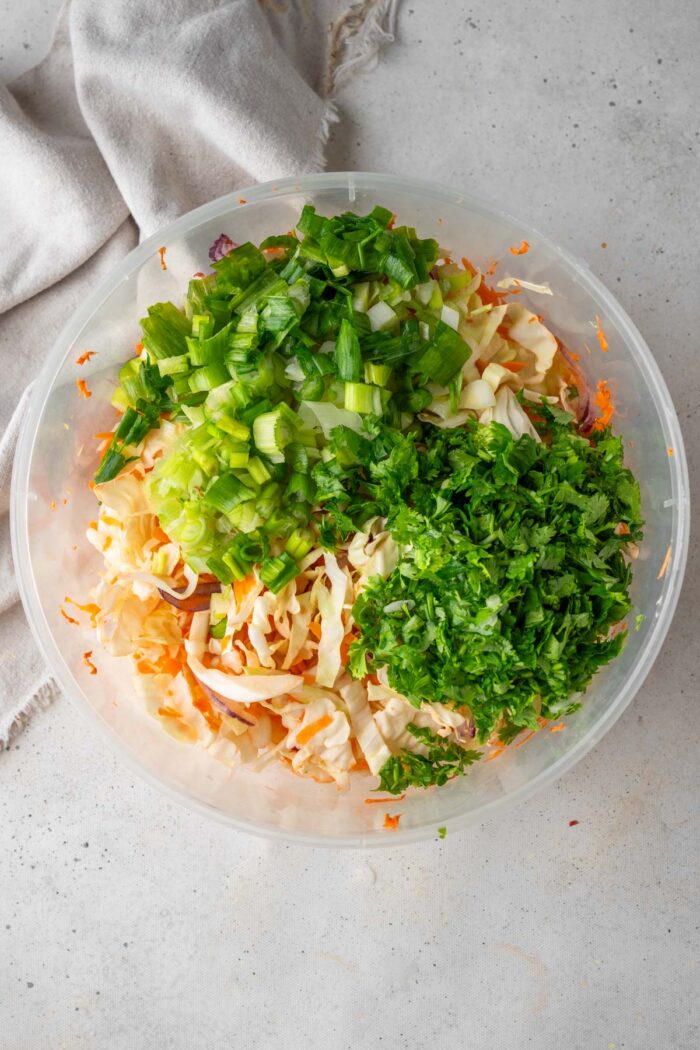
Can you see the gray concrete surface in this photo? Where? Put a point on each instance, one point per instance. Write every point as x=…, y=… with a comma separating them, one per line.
x=126, y=922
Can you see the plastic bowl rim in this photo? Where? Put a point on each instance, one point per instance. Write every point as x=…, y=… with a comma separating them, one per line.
x=226, y=205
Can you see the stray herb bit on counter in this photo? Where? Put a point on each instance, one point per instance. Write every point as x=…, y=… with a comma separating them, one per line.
x=442, y=832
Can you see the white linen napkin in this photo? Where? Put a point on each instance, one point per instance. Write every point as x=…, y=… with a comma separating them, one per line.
x=143, y=110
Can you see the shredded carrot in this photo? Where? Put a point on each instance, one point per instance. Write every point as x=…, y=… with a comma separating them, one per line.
x=309, y=679
x=670, y=450
x=138, y=348
x=623, y=529
x=469, y=265
x=83, y=388
x=522, y=250
x=107, y=543
x=558, y=728
x=315, y=630
x=312, y=729
x=210, y=717
x=88, y=662
x=495, y=753
x=514, y=366
x=391, y=822
x=91, y=485
x=161, y=252
x=490, y=296
x=664, y=564
x=392, y=221
x=199, y=274
x=65, y=616
x=384, y=801
x=92, y=524
x=168, y=712
x=242, y=200
x=107, y=520
x=52, y=505
x=242, y=587
x=525, y=739
x=345, y=647
x=572, y=354
x=601, y=335
x=104, y=435
x=492, y=268
x=604, y=402
x=85, y=356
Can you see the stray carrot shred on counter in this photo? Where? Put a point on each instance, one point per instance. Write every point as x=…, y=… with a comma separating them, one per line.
x=384, y=801
x=601, y=335
x=664, y=564
x=391, y=821
x=161, y=252
x=242, y=200
x=83, y=388
x=492, y=268
x=52, y=505
x=670, y=450
x=85, y=356
x=88, y=662
x=558, y=728
x=604, y=402
x=312, y=729
x=522, y=250
x=65, y=616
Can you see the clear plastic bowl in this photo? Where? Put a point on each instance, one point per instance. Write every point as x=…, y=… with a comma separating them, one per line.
x=55, y=460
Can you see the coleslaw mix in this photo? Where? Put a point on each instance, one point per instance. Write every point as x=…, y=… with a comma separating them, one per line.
x=360, y=513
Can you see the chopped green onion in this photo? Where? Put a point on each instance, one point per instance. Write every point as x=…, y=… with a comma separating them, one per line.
x=226, y=492
x=258, y=471
x=277, y=572
x=218, y=630
x=347, y=353
x=377, y=374
x=299, y=543
x=444, y=355
x=362, y=398
x=272, y=431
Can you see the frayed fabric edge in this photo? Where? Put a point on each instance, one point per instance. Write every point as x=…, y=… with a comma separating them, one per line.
x=41, y=698
x=356, y=38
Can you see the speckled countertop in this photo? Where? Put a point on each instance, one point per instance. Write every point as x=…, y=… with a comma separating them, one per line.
x=127, y=922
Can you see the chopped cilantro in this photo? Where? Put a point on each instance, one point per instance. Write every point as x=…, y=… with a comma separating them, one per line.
x=442, y=832
x=512, y=572
x=442, y=761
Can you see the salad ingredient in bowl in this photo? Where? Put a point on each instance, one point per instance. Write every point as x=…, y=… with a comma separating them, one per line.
x=360, y=512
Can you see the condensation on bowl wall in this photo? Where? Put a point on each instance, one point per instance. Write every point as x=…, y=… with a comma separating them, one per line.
x=55, y=460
